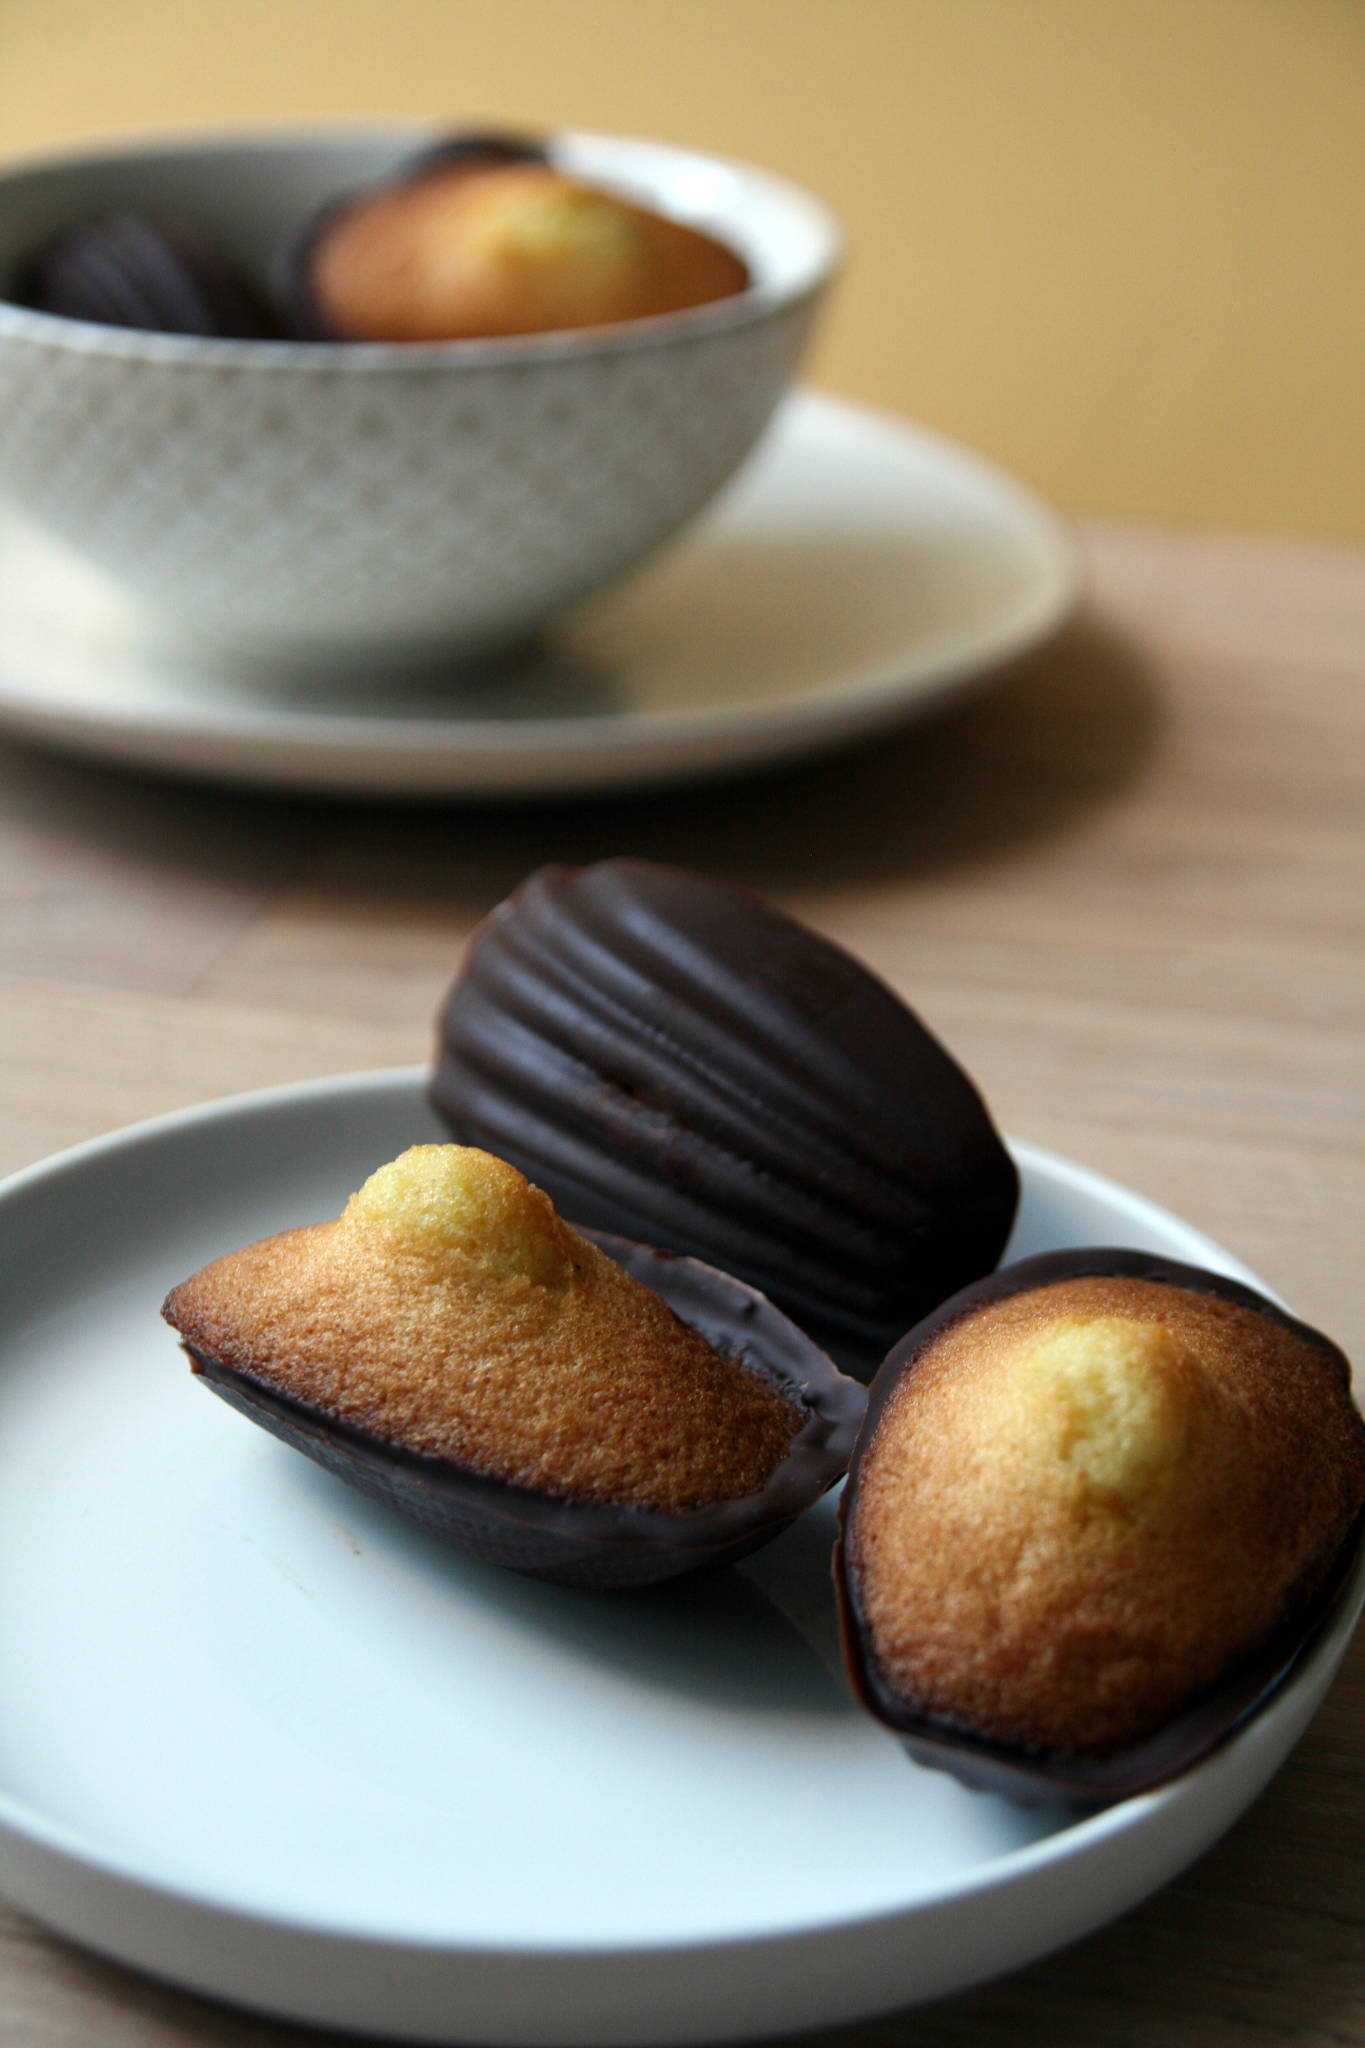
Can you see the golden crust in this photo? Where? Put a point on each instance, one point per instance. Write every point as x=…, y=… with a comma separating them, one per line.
x=450, y=1310
x=1085, y=1503
x=463, y=252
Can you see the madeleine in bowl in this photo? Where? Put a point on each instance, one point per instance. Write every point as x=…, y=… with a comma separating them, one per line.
x=311, y=503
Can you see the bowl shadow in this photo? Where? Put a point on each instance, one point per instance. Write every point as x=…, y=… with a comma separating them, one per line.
x=1029, y=756
x=756, y=1641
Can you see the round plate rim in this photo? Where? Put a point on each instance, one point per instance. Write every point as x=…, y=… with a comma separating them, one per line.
x=1213, y=1781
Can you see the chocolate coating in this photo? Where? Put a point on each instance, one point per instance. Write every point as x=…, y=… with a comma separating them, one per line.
x=477, y=147
x=675, y=1060
x=582, y=1543
x=1204, y=1720
x=127, y=271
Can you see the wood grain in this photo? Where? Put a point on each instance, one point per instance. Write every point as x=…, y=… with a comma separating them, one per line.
x=1127, y=886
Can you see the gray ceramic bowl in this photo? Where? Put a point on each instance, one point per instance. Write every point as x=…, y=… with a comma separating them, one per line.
x=307, y=501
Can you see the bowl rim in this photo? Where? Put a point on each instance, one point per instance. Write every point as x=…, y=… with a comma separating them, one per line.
x=758, y=303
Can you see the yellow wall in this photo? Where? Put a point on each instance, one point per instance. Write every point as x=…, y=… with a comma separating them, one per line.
x=1118, y=244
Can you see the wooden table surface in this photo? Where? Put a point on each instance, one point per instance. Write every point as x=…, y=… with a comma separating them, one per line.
x=1127, y=886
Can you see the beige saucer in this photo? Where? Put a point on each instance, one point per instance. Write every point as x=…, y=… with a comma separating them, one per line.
x=858, y=572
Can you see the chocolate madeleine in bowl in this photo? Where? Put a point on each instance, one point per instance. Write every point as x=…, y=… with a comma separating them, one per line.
x=1100, y=1503
x=132, y=270
x=602, y=1415
x=678, y=1061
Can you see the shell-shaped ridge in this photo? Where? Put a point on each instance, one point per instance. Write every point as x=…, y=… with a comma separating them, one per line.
x=608, y=1192
x=675, y=1059
x=623, y=998
x=678, y=1053
x=777, y=1013
x=722, y=1146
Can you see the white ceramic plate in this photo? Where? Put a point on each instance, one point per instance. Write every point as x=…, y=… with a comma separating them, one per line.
x=858, y=571
x=263, y=1740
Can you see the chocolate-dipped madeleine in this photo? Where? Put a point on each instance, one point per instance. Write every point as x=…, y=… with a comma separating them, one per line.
x=470, y=151
x=1099, y=1504
x=675, y=1060
x=129, y=271
x=483, y=237
x=452, y=1348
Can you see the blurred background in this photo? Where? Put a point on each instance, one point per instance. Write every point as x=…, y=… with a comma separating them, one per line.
x=1119, y=245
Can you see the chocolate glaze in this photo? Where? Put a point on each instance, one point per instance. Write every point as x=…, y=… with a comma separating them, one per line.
x=675, y=1060
x=1208, y=1720
x=588, y=1543
x=127, y=271
x=479, y=148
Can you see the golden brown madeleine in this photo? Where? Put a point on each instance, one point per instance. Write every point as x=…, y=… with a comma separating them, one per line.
x=477, y=247
x=1096, y=1507
x=449, y=1344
